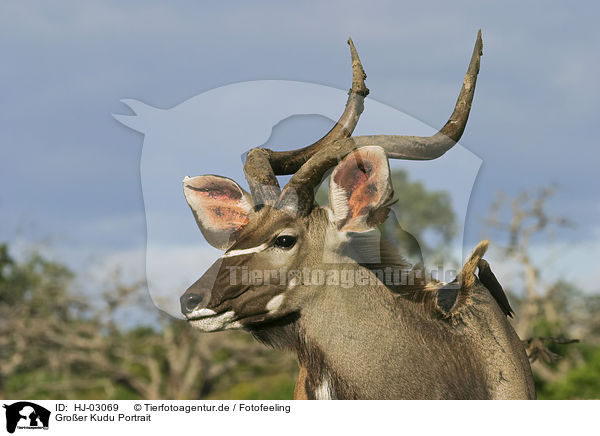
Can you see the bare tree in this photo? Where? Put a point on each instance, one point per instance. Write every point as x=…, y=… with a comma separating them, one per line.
x=527, y=216
x=517, y=220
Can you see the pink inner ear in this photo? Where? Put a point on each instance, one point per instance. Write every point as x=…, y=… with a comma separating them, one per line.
x=355, y=179
x=363, y=198
x=219, y=192
x=218, y=203
x=222, y=208
x=353, y=175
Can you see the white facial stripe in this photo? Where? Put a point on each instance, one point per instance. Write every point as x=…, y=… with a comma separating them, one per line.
x=274, y=303
x=293, y=282
x=258, y=249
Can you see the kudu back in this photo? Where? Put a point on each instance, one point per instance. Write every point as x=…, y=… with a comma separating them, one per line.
x=336, y=286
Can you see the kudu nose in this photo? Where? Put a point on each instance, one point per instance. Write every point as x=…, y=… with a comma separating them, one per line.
x=194, y=298
x=198, y=295
x=190, y=302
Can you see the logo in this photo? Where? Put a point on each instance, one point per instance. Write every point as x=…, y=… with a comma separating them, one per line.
x=26, y=415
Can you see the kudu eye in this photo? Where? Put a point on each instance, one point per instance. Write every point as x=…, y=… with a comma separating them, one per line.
x=285, y=241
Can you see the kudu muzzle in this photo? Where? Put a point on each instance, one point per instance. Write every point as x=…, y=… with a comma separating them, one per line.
x=199, y=295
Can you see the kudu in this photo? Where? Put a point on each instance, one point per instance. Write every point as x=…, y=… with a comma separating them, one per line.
x=279, y=277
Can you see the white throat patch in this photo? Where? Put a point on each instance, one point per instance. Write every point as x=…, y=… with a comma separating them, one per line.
x=323, y=391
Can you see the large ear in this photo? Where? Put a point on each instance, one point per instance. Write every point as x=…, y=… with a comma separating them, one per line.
x=360, y=190
x=220, y=206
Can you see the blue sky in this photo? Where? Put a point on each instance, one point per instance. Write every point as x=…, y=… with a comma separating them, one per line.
x=71, y=174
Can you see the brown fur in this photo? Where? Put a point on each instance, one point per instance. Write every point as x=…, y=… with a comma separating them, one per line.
x=369, y=341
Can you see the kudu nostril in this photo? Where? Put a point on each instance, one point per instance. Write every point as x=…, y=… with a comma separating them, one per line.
x=189, y=302
x=199, y=294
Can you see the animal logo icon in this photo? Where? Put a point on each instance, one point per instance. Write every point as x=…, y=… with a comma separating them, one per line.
x=25, y=414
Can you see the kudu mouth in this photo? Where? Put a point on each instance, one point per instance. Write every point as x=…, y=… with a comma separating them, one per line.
x=222, y=300
x=193, y=307
x=196, y=298
x=214, y=322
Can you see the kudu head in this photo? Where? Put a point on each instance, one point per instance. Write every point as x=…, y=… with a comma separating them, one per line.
x=270, y=235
